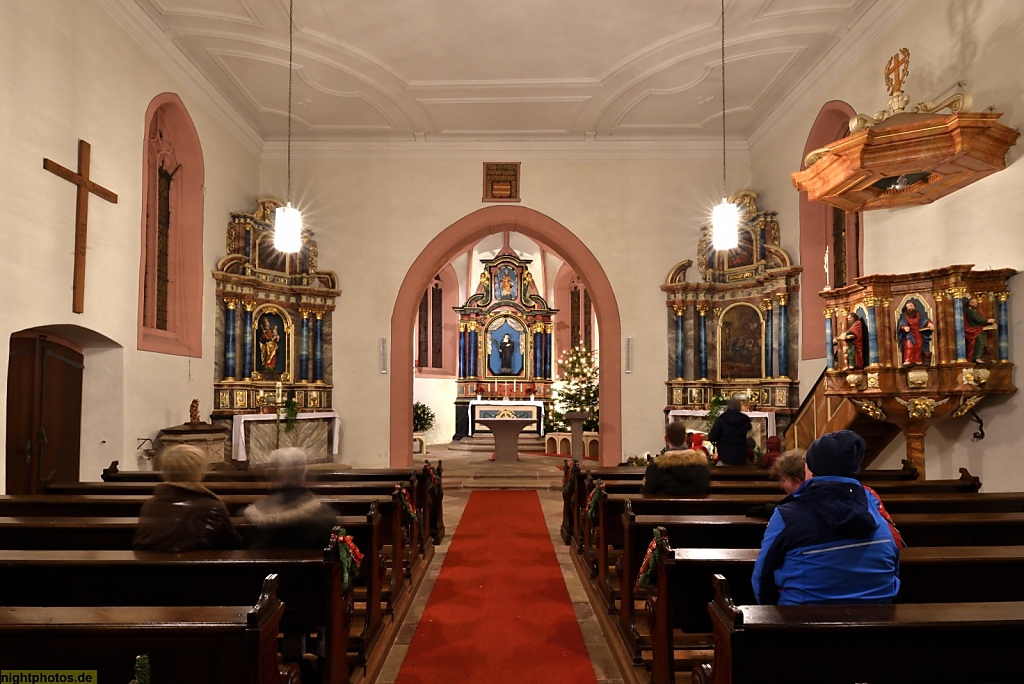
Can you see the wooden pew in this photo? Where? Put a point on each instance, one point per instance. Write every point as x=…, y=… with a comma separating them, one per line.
x=817, y=643
x=80, y=533
x=927, y=575
x=226, y=643
x=429, y=489
x=312, y=586
x=397, y=525
x=741, y=532
x=574, y=491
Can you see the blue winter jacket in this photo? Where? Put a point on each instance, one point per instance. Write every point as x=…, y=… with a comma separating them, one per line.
x=827, y=543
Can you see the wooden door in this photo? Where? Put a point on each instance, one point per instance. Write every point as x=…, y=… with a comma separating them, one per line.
x=44, y=413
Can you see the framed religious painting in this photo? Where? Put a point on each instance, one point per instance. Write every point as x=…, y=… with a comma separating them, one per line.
x=741, y=343
x=271, y=345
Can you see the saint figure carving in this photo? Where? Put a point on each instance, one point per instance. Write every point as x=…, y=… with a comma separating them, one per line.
x=854, y=338
x=270, y=339
x=914, y=333
x=974, y=330
x=505, y=350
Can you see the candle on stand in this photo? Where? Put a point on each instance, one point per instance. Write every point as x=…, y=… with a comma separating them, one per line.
x=513, y=388
x=278, y=391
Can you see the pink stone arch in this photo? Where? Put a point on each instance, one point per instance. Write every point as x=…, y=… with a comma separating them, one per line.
x=455, y=238
x=831, y=124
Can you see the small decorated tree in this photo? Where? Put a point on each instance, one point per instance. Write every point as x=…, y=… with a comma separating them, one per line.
x=577, y=390
x=422, y=417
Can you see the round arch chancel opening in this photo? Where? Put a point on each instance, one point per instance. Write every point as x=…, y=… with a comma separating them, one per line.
x=436, y=254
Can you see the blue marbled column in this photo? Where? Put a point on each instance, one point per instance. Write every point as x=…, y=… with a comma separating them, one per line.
x=471, y=353
x=872, y=332
x=462, y=353
x=230, y=354
x=1003, y=322
x=538, y=354
x=318, y=348
x=547, y=353
x=304, y=348
x=247, y=342
x=830, y=358
x=958, y=327
x=702, y=342
x=679, y=342
x=783, y=337
x=769, y=341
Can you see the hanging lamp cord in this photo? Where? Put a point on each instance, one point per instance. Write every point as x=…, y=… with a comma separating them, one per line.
x=724, y=186
x=291, y=31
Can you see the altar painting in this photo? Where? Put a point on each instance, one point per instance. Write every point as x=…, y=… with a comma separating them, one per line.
x=505, y=350
x=741, y=343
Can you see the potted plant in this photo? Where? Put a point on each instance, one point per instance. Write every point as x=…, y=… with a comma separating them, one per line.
x=422, y=417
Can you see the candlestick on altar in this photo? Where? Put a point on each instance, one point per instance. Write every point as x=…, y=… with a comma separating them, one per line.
x=277, y=393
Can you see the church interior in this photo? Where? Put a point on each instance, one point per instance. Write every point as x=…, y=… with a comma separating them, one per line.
x=485, y=188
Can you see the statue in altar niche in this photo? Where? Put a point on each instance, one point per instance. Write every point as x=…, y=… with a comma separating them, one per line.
x=270, y=340
x=504, y=351
x=914, y=333
x=506, y=348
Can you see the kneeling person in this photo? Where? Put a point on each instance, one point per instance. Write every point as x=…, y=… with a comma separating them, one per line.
x=827, y=542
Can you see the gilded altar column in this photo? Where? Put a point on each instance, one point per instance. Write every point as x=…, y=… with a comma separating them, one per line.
x=958, y=294
x=462, y=350
x=769, y=350
x=783, y=298
x=871, y=303
x=230, y=353
x=680, y=310
x=702, y=341
x=830, y=358
x=1003, y=325
x=471, y=353
x=247, y=342
x=304, y=346
x=318, y=347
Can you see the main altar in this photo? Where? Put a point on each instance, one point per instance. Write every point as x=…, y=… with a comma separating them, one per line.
x=273, y=350
x=505, y=355
x=733, y=333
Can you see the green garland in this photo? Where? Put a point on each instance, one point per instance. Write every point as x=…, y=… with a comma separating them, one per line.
x=592, y=499
x=645, y=578
x=407, y=502
x=570, y=472
x=349, y=555
x=291, y=415
x=435, y=482
x=142, y=672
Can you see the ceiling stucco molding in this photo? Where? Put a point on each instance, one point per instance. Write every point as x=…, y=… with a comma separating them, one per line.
x=138, y=24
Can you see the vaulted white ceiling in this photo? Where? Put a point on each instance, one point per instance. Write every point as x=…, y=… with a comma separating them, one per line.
x=523, y=70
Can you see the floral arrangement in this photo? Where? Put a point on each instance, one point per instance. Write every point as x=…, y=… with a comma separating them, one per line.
x=291, y=414
x=348, y=554
x=640, y=461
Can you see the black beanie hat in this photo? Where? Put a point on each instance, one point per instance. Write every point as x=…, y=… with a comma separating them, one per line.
x=836, y=453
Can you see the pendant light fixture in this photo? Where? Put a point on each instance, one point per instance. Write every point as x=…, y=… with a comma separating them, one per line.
x=287, y=219
x=725, y=217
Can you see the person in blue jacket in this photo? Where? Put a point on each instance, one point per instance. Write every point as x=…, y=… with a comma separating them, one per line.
x=827, y=542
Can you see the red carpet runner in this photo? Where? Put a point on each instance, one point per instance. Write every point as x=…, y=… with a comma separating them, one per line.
x=499, y=611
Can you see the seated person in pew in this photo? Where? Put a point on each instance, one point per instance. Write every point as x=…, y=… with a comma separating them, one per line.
x=291, y=517
x=678, y=471
x=827, y=543
x=182, y=514
x=789, y=469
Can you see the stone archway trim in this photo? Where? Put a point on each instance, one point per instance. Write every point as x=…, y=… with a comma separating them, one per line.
x=438, y=252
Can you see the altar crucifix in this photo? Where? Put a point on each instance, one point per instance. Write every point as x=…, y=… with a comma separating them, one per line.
x=85, y=186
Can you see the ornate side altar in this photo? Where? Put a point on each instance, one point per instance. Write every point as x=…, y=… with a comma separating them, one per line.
x=274, y=326
x=916, y=348
x=505, y=332
x=733, y=333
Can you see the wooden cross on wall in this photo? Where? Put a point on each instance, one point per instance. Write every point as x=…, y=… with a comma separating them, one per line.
x=85, y=186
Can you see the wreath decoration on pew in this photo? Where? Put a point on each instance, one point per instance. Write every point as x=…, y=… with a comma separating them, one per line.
x=142, y=671
x=570, y=471
x=435, y=483
x=349, y=555
x=595, y=494
x=645, y=577
x=407, y=503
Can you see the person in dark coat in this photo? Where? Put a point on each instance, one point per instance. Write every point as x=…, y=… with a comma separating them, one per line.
x=729, y=435
x=182, y=514
x=291, y=517
x=678, y=471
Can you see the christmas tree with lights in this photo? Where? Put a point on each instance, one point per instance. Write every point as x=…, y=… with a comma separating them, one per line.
x=576, y=390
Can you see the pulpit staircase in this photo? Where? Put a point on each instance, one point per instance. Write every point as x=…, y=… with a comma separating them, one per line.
x=819, y=414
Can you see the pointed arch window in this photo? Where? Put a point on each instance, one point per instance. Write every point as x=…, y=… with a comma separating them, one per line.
x=581, y=328
x=437, y=326
x=171, y=269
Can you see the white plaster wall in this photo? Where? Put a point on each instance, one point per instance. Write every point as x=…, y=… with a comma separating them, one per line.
x=949, y=40
x=373, y=218
x=69, y=70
